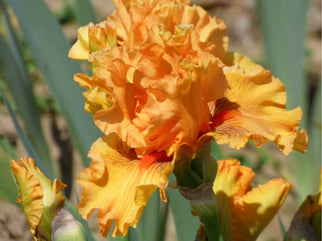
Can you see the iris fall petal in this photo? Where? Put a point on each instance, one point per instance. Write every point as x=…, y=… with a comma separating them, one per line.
x=119, y=184
x=255, y=108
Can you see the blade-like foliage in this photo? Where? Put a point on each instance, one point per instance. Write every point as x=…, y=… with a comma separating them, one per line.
x=153, y=219
x=21, y=90
x=149, y=219
x=186, y=224
x=119, y=238
x=215, y=151
x=23, y=137
x=84, y=12
x=13, y=42
x=315, y=143
x=282, y=227
x=283, y=24
x=8, y=187
x=45, y=38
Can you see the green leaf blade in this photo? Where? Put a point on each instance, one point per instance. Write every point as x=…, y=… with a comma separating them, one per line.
x=50, y=49
x=84, y=12
x=186, y=224
x=283, y=24
x=8, y=187
x=21, y=89
x=24, y=139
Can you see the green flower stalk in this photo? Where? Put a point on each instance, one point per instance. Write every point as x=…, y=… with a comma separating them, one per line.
x=195, y=179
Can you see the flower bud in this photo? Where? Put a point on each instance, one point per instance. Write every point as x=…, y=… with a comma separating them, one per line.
x=40, y=198
x=66, y=228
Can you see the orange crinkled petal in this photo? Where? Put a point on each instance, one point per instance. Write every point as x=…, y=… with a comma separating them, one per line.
x=156, y=78
x=255, y=108
x=119, y=184
x=133, y=21
x=245, y=211
x=152, y=107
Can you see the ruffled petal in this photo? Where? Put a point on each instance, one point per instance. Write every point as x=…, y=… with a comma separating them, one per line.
x=97, y=97
x=119, y=184
x=152, y=105
x=40, y=198
x=101, y=37
x=92, y=38
x=80, y=50
x=244, y=211
x=211, y=31
x=254, y=108
x=156, y=67
x=165, y=117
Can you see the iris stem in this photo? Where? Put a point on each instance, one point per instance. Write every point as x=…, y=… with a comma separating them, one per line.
x=212, y=228
x=187, y=177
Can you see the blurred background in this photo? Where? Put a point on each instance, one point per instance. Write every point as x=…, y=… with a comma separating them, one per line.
x=36, y=79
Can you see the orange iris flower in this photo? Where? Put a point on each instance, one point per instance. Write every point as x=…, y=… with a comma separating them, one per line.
x=163, y=82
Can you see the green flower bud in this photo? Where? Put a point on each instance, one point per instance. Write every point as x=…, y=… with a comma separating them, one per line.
x=66, y=228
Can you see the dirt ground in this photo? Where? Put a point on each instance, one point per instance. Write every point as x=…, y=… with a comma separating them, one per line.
x=242, y=23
